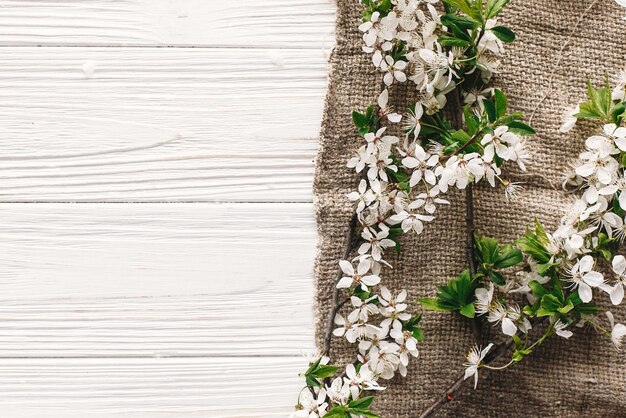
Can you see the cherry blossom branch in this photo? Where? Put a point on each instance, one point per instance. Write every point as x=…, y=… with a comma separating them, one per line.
x=349, y=247
x=453, y=390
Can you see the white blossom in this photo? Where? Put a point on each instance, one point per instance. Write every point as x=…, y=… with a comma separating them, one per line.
x=362, y=197
x=618, y=332
x=616, y=292
x=392, y=308
x=376, y=242
x=364, y=308
x=474, y=360
x=561, y=331
x=361, y=380
x=569, y=120
x=385, y=110
x=311, y=407
x=338, y=392
x=584, y=278
x=386, y=360
x=357, y=277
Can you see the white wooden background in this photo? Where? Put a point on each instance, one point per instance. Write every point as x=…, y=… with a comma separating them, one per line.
x=156, y=223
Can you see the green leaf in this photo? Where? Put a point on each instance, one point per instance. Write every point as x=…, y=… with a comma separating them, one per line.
x=510, y=118
x=460, y=136
x=501, y=102
x=418, y=334
x=311, y=381
x=359, y=119
x=471, y=121
x=504, y=34
x=587, y=111
x=550, y=304
x=433, y=304
x=565, y=309
x=465, y=7
x=324, y=371
x=544, y=268
x=518, y=355
x=487, y=249
x=363, y=403
x=497, y=278
x=453, y=296
x=618, y=113
x=521, y=128
x=537, y=288
x=508, y=256
x=464, y=24
x=534, y=244
x=337, y=412
x=494, y=7
x=468, y=310
x=600, y=102
x=450, y=41
x=385, y=5
x=313, y=366
x=490, y=108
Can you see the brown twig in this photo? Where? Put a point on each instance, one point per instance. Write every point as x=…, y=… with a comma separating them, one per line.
x=451, y=393
x=335, y=304
x=457, y=118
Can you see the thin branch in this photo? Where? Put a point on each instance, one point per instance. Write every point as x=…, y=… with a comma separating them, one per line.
x=457, y=117
x=469, y=222
x=335, y=304
x=451, y=393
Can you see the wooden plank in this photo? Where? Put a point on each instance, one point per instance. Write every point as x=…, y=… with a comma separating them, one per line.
x=158, y=387
x=129, y=280
x=209, y=23
x=145, y=124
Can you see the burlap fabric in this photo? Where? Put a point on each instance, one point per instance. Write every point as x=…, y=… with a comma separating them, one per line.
x=581, y=377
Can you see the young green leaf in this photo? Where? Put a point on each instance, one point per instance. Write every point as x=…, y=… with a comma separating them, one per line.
x=451, y=41
x=507, y=257
x=432, y=304
x=535, y=243
x=456, y=295
x=468, y=310
x=486, y=249
x=362, y=403
x=504, y=34
x=497, y=278
x=471, y=121
x=501, y=103
x=494, y=7
x=337, y=412
x=521, y=128
x=462, y=5
x=324, y=371
x=490, y=108
x=359, y=119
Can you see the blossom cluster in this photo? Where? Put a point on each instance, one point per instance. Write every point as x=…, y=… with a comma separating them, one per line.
x=407, y=162
x=558, y=275
x=415, y=40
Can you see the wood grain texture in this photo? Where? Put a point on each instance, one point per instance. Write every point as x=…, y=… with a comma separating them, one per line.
x=157, y=310
x=141, y=124
x=157, y=387
x=109, y=280
x=197, y=23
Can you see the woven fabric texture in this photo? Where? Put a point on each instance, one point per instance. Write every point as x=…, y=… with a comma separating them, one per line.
x=580, y=377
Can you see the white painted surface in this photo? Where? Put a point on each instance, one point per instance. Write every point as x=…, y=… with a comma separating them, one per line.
x=157, y=299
